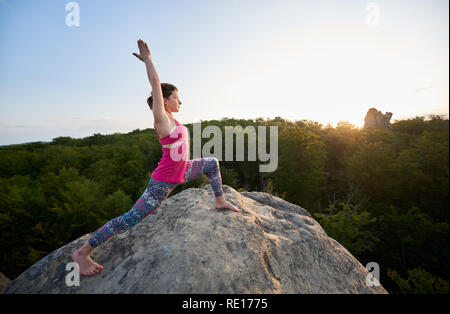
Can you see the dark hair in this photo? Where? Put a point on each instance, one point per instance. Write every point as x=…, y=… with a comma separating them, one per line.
x=167, y=90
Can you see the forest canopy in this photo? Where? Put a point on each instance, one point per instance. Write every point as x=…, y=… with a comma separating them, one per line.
x=382, y=194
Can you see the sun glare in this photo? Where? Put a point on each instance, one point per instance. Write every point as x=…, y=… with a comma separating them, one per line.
x=328, y=78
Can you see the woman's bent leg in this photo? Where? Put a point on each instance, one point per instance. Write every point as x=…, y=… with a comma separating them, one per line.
x=210, y=167
x=149, y=201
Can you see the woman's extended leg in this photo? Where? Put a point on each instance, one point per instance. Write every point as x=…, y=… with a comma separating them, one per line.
x=149, y=201
x=210, y=167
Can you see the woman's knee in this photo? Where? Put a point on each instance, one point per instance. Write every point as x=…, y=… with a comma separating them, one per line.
x=213, y=162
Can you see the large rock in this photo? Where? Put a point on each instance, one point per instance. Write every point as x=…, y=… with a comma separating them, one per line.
x=376, y=120
x=187, y=246
x=4, y=281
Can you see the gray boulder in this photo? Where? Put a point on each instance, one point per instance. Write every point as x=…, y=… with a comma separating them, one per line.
x=187, y=246
x=4, y=281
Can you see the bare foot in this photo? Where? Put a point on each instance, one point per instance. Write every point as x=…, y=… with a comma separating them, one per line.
x=226, y=205
x=87, y=266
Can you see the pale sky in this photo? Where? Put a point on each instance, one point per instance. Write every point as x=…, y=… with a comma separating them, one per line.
x=322, y=60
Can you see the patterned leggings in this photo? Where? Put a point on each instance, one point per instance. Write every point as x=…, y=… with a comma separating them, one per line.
x=155, y=193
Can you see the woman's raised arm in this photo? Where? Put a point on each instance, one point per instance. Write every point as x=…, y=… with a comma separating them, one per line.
x=158, y=102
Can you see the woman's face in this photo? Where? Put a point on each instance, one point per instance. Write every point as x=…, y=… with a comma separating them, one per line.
x=173, y=103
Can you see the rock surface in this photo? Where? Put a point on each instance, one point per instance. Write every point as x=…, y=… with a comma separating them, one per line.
x=187, y=246
x=376, y=120
x=4, y=281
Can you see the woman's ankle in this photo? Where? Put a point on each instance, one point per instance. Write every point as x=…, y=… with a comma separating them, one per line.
x=86, y=249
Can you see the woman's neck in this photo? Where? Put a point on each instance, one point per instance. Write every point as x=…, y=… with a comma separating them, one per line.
x=170, y=114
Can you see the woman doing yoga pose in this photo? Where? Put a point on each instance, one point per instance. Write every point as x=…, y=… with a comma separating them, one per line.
x=174, y=139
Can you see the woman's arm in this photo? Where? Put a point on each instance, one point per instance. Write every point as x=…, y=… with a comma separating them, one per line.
x=158, y=102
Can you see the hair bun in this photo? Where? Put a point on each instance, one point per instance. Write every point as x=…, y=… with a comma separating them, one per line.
x=166, y=89
x=150, y=101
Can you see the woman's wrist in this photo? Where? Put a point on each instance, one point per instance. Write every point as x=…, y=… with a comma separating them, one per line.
x=148, y=60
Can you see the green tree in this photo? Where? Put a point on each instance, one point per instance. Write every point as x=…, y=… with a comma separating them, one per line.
x=419, y=281
x=371, y=166
x=411, y=238
x=115, y=204
x=301, y=162
x=21, y=204
x=78, y=210
x=350, y=227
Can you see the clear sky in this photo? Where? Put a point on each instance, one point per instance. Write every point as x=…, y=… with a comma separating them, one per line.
x=322, y=60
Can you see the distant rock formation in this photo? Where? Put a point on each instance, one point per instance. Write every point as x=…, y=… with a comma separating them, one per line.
x=187, y=246
x=376, y=120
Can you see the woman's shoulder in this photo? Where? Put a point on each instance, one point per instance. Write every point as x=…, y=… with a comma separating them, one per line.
x=165, y=126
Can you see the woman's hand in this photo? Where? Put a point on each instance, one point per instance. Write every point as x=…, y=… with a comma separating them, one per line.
x=144, y=51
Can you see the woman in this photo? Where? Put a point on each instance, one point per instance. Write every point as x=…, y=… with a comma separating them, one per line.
x=173, y=168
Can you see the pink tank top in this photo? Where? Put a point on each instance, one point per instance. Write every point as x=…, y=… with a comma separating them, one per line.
x=172, y=166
